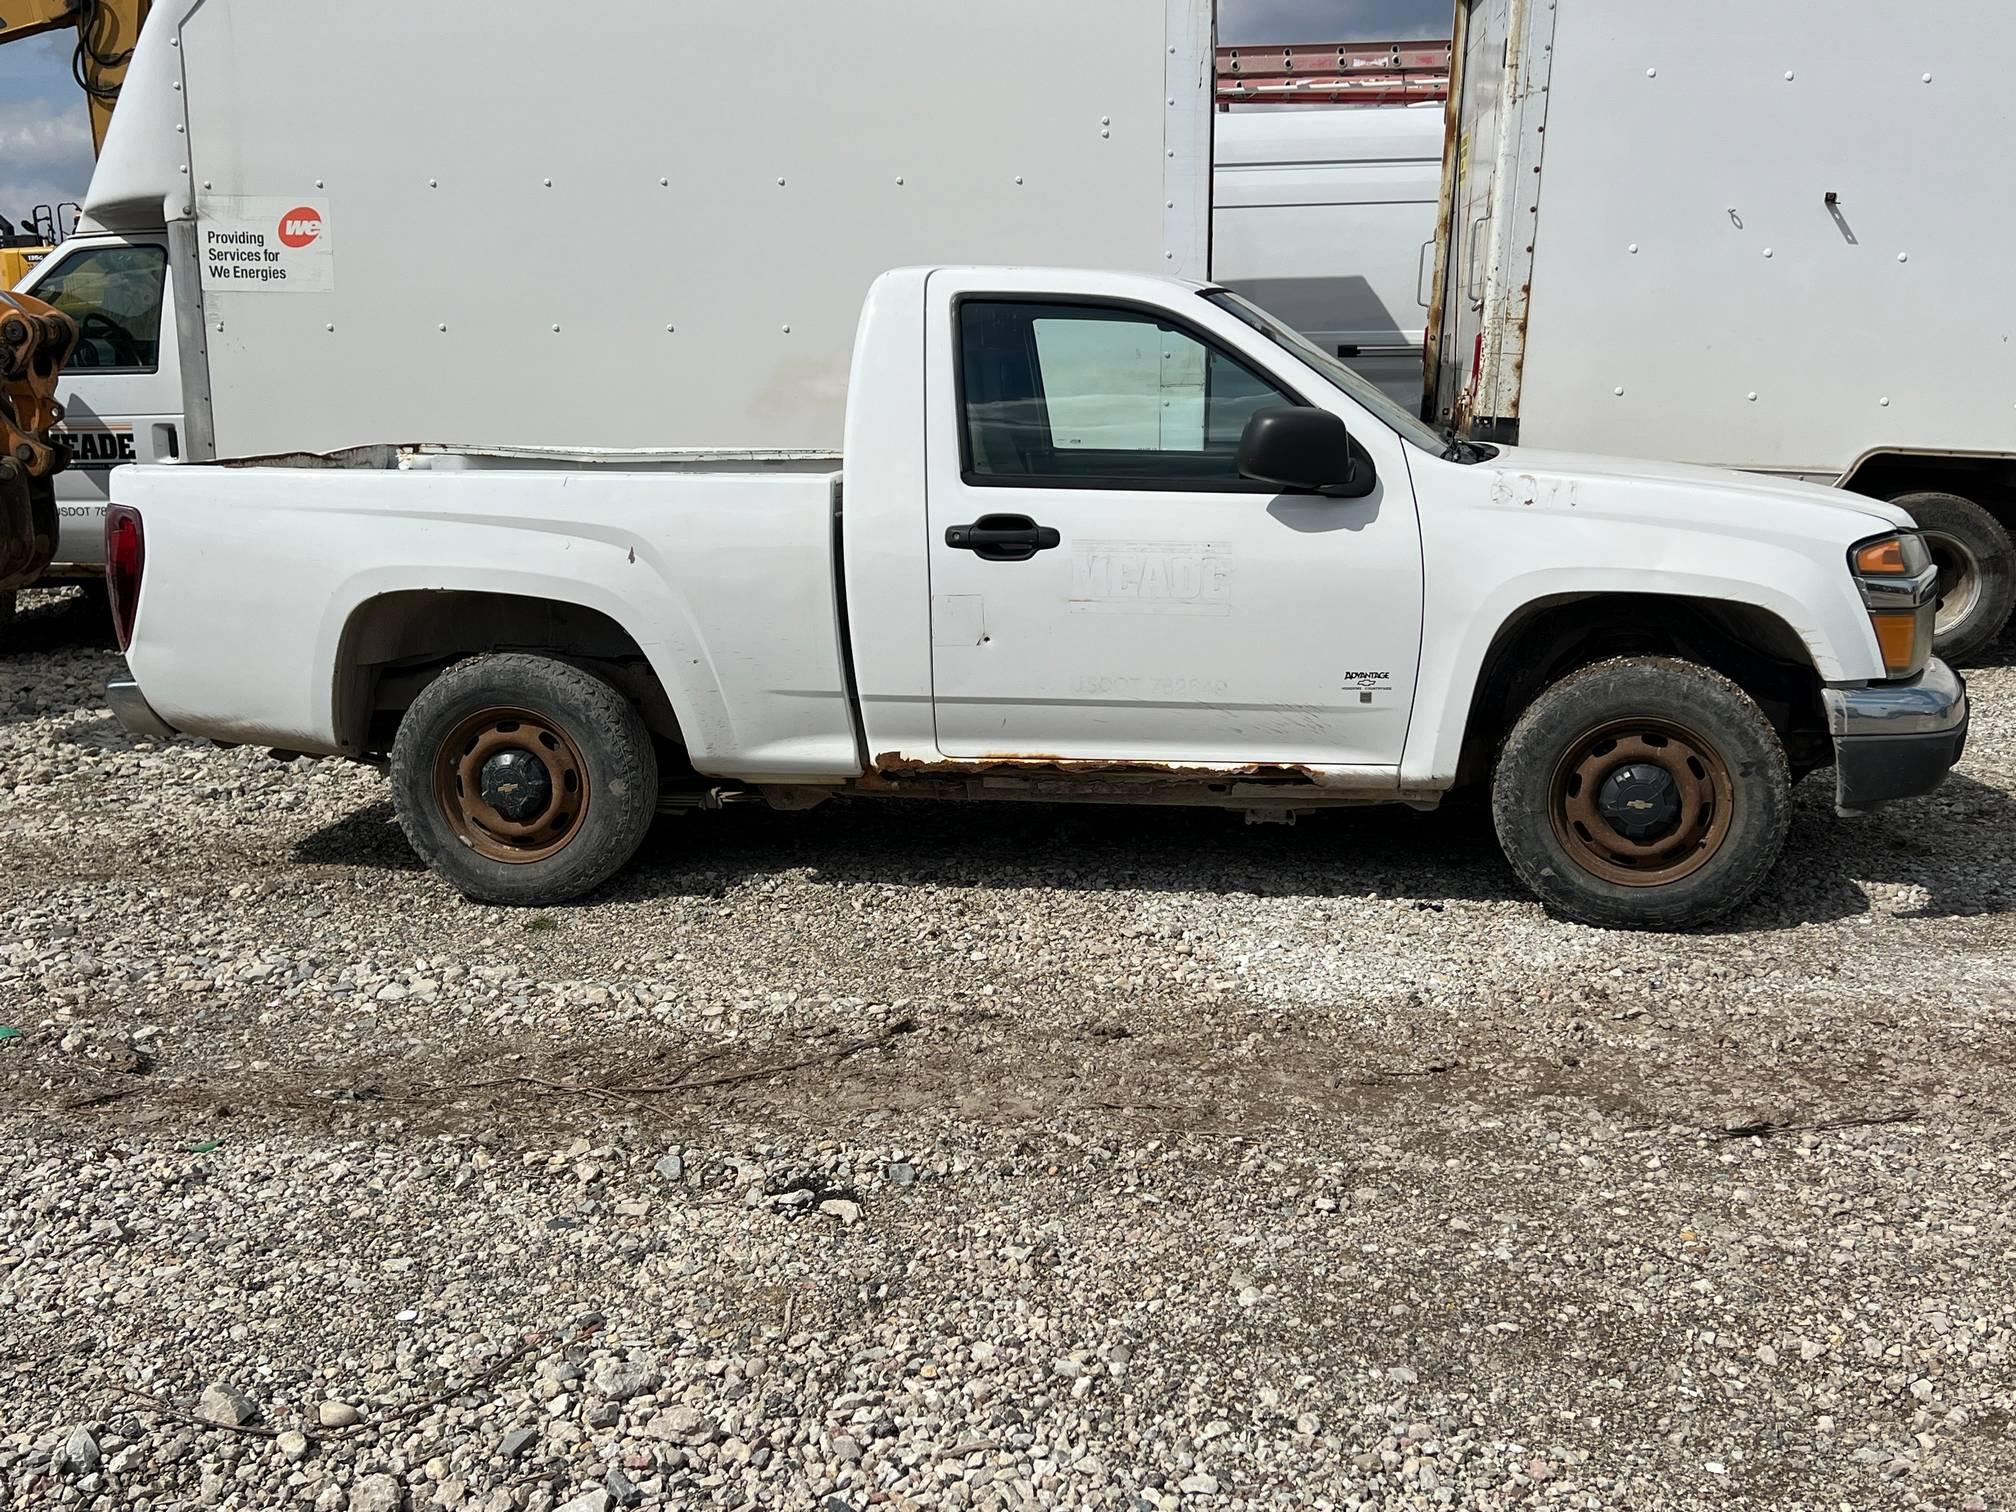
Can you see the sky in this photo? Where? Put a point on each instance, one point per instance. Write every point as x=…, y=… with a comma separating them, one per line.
x=45, y=134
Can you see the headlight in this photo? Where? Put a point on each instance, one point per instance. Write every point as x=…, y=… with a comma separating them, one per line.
x=1900, y=587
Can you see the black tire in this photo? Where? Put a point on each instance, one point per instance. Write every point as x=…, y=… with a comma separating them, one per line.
x=1687, y=715
x=1977, y=572
x=586, y=732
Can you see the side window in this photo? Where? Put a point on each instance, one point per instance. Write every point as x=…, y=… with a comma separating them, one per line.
x=114, y=295
x=1093, y=394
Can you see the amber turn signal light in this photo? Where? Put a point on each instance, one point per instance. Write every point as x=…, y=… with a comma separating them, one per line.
x=1883, y=558
x=1897, y=636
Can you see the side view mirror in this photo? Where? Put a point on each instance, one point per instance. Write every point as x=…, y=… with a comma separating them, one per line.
x=1294, y=447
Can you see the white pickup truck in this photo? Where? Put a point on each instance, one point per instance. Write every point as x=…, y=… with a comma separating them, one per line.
x=1092, y=536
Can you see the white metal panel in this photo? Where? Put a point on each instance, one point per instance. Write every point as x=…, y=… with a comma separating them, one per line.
x=724, y=579
x=883, y=529
x=1326, y=219
x=1688, y=256
x=655, y=225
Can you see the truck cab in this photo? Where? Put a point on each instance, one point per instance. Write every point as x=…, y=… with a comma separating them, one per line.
x=122, y=391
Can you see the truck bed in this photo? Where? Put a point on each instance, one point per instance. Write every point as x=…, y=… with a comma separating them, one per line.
x=723, y=574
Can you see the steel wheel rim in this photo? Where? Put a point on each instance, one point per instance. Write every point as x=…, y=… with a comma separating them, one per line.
x=1959, y=581
x=478, y=822
x=1705, y=793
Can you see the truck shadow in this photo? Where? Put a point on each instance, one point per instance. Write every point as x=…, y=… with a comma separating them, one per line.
x=58, y=620
x=1955, y=853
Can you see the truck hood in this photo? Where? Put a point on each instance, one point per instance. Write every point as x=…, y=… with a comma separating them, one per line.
x=1626, y=485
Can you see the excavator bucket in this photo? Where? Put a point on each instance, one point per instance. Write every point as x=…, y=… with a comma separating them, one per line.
x=36, y=340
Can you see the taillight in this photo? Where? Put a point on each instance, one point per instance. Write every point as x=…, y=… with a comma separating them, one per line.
x=125, y=558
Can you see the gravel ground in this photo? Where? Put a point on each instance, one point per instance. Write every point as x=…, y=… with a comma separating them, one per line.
x=924, y=1156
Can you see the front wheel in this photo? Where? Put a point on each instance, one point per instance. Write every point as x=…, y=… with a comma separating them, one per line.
x=1977, y=572
x=523, y=780
x=1642, y=793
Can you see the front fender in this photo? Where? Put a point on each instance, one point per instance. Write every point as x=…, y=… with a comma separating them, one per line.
x=1487, y=565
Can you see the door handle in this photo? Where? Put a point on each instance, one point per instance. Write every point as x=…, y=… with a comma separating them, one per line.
x=1003, y=538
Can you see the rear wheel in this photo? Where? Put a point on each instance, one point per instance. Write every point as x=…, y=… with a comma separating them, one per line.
x=523, y=780
x=1977, y=572
x=1645, y=793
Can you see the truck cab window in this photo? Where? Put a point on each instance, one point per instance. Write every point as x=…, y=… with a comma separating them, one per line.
x=1099, y=395
x=114, y=295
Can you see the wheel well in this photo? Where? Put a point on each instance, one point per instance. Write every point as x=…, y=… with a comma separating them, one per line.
x=1988, y=481
x=1546, y=641
x=396, y=644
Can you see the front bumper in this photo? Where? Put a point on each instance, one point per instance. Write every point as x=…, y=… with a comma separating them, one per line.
x=131, y=709
x=1896, y=739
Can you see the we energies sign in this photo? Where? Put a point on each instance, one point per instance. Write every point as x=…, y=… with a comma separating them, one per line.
x=265, y=244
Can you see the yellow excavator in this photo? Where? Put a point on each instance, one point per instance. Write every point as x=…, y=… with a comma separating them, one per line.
x=106, y=31
x=35, y=339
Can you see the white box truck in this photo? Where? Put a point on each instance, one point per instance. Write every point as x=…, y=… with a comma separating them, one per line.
x=774, y=518
x=316, y=226
x=1325, y=218
x=1771, y=237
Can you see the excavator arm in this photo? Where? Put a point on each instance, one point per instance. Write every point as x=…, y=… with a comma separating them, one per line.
x=35, y=341
x=106, y=33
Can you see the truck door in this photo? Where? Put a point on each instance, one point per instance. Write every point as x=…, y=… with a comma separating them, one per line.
x=1105, y=586
x=122, y=393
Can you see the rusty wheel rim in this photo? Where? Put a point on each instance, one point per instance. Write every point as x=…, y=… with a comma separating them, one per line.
x=1959, y=581
x=1642, y=802
x=512, y=785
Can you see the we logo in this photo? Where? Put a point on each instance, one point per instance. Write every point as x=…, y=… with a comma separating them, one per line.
x=300, y=226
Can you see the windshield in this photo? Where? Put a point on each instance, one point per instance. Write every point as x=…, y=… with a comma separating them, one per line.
x=1411, y=427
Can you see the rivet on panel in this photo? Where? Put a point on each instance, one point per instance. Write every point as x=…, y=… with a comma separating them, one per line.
x=1788, y=76
x=331, y=327
x=180, y=127
x=1903, y=257
x=442, y=327
x=664, y=183
x=1651, y=73
x=1884, y=401
x=1018, y=178
x=178, y=83
x=185, y=167
x=1752, y=396
x=556, y=330
x=1172, y=152
x=787, y=330
x=1767, y=251
x=670, y=329
x=433, y=183
x=1925, y=78
x=206, y=183
x=899, y=180
x=549, y=183
x=1105, y=120
x=1632, y=248
x=1619, y=392
x=318, y=183
x=1105, y=133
